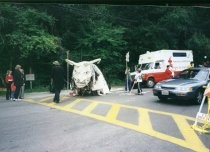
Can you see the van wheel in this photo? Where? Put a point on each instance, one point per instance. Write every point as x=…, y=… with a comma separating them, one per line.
x=150, y=83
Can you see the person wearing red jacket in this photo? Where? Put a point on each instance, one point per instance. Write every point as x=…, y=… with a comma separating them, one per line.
x=168, y=72
x=8, y=82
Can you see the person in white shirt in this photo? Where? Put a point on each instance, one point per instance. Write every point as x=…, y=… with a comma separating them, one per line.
x=138, y=80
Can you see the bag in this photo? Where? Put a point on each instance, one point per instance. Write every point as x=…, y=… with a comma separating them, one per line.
x=51, y=88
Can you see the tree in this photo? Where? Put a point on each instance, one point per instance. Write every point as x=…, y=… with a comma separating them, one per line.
x=36, y=34
x=105, y=41
x=28, y=36
x=201, y=46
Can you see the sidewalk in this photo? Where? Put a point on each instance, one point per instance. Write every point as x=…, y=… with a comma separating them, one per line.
x=63, y=92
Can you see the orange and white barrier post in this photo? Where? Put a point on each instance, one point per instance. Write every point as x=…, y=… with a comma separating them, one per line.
x=202, y=121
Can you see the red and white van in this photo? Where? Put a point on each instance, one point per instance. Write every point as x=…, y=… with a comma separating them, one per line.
x=153, y=64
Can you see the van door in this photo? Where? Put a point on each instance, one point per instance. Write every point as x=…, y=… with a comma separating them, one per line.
x=159, y=70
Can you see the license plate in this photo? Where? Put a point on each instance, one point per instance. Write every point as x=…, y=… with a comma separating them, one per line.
x=165, y=92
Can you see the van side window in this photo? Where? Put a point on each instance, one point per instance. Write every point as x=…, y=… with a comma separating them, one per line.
x=179, y=54
x=157, y=65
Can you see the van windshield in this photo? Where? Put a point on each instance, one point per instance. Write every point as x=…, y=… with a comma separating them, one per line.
x=146, y=66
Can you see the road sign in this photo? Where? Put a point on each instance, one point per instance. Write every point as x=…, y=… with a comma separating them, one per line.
x=30, y=77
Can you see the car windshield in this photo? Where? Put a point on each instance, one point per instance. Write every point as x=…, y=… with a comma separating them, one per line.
x=193, y=74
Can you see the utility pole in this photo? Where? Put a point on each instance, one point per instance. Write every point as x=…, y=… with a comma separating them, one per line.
x=67, y=67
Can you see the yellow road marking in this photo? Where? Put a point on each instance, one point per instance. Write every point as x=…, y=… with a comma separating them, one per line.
x=190, y=137
x=64, y=98
x=46, y=99
x=190, y=141
x=90, y=107
x=113, y=112
x=144, y=120
x=72, y=104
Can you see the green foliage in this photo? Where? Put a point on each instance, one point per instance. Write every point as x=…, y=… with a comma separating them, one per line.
x=27, y=34
x=35, y=45
x=201, y=44
x=36, y=34
x=31, y=36
x=105, y=41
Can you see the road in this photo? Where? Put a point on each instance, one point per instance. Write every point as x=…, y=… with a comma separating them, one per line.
x=117, y=122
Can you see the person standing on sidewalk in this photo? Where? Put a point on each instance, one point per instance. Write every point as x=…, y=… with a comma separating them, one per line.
x=138, y=80
x=18, y=81
x=22, y=88
x=57, y=79
x=8, y=82
x=128, y=80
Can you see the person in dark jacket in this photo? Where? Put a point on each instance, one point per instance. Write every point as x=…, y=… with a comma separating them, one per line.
x=57, y=79
x=18, y=81
x=22, y=88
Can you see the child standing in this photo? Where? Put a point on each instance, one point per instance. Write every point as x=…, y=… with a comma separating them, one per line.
x=138, y=80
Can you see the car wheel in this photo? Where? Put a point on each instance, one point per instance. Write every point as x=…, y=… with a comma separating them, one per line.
x=162, y=98
x=150, y=83
x=198, y=97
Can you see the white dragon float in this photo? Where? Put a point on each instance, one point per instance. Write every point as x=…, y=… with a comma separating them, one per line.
x=88, y=78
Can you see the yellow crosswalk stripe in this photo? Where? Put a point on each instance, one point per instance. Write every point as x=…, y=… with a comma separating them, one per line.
x=64, y=98
x=90, y=107
x=144, y=119
x=72, y=104
x=190, y=141
x=46, y=99
x=190, y=137
x=113, y=112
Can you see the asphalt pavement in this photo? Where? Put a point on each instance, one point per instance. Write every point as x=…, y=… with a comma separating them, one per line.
x=118, y=122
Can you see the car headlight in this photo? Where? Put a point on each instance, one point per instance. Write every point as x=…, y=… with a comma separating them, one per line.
x=158, y=86
x=184, y=88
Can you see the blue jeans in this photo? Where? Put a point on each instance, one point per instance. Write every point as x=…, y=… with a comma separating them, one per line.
x=127, y=84
x=17, y=92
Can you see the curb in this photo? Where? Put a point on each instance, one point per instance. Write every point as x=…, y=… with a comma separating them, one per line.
x=63, y=92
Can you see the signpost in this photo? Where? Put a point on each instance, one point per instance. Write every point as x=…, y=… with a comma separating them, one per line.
x=127, y=60
x=67, y=52
x=30, y=77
